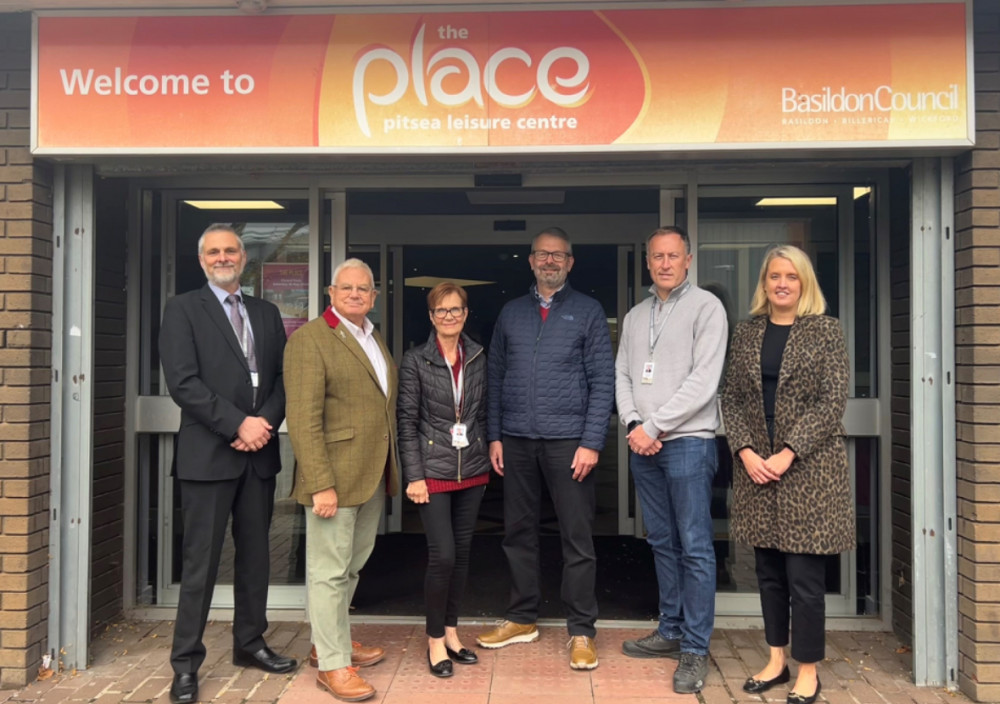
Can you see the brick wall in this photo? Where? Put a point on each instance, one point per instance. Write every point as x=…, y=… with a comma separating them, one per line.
x=977, y=351
x=106, y=578
x=25, y=362
x=901, y=549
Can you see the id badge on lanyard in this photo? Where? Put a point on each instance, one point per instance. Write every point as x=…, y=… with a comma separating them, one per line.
x=459, y=431
x=459, y=438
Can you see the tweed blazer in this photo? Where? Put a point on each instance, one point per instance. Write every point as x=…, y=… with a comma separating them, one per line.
x=342, y=426
x=810, y=509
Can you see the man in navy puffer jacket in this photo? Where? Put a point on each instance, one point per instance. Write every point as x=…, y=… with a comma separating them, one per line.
x=550, y=396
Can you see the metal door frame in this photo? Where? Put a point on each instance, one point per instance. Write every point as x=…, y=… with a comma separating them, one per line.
x=149, y=415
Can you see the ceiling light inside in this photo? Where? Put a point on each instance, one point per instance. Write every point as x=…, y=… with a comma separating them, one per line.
x=235, y=204
x=859, y=192
x=792, y=202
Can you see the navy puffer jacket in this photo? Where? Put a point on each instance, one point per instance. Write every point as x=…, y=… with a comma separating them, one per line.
x=555, y=379
x=425, y=412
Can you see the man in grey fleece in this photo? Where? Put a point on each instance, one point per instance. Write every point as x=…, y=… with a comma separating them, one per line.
x=670, y=358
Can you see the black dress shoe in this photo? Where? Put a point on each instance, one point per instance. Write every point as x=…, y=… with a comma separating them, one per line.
x=795, y=698
x=264, y=659
x=442, y=669
x=184, y=690
x=463, y=656
x=754, y=686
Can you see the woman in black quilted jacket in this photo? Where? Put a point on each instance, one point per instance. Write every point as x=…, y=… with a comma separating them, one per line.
x=441, y=415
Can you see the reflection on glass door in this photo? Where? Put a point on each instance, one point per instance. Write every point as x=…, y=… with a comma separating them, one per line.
x=276, y=236
x=835, y=227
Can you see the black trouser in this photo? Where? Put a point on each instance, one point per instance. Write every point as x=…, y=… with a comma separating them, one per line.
x=449, y=521
x=526, y=464
x=205, y=509
x=793, y=583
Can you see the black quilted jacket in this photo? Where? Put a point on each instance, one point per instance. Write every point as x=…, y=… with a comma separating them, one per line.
x=425, y=412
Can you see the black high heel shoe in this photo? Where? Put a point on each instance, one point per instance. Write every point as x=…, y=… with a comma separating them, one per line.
x=442, y=669
x=463, y=656
x=795, y=698
x=755, y=686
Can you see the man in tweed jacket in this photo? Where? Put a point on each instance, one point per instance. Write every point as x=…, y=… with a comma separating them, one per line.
x=340, y=383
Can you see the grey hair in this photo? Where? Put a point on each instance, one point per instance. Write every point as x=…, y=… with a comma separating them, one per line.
x=671, y=230
x=352, y=263
x=556, y=232
x=219, y=227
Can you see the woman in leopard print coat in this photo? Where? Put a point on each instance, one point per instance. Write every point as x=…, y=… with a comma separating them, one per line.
x=783, y=403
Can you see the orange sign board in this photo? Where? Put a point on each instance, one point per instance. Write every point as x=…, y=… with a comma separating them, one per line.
x=704, y=78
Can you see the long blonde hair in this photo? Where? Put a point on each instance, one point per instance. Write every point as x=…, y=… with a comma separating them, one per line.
x=811, y=300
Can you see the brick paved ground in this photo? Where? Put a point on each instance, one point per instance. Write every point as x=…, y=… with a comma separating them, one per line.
x=130, y=665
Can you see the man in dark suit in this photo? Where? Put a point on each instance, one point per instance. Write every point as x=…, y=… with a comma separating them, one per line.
x=222, y=355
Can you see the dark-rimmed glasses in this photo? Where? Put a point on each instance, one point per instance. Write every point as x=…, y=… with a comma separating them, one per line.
x=558, y=257
x=442, y=313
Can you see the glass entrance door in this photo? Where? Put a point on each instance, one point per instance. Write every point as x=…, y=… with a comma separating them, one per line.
x=282, y=252
x=493, y=275
x=835, y=226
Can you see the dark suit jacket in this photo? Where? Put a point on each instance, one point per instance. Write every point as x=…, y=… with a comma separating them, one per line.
x=207, y=375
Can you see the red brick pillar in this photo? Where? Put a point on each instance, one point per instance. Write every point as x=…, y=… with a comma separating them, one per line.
x=977, y=358
x=25, y=366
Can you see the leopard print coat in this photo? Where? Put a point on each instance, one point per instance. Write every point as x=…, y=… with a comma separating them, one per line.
x=811, y=508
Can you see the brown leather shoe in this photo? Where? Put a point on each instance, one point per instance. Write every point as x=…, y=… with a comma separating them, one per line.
x=365, y=655
x=361, y=655
x=345, y=684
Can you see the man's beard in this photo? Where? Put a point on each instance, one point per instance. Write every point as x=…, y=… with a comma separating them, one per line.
x=223, y=277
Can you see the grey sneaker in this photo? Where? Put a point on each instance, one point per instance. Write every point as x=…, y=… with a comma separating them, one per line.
x=691, y=673
x=652, y=646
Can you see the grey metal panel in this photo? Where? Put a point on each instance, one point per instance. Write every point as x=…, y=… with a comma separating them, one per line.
x=160, y=415
x=626, y=524
x=56, y=409
x=72, y=436
x=949, y=475
x=933, y=428
x=862, y=418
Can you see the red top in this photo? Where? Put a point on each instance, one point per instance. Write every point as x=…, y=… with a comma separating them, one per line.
x=439, y=486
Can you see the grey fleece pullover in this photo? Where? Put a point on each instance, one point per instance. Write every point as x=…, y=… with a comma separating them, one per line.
x=688, y=358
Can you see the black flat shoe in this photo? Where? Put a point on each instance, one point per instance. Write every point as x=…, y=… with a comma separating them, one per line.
x=754, y=686
x=184, y=689
x=794, y=698
x=442, y=669
x=264, y=659
x=463, y=656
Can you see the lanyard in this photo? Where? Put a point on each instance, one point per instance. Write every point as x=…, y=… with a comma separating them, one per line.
x=654, y=330
x=456, y=384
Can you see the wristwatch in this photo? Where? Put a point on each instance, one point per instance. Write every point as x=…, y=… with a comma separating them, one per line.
x=633, y=425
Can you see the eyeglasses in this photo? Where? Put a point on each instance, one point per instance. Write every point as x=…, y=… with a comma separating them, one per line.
x=348, y=289
x=442, y=313
x=558, y=257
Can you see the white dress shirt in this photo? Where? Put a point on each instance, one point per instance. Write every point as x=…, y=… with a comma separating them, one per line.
x=365, y=337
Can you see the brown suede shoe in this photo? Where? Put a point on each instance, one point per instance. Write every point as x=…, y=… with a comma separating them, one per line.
x=582, y=653
x=345, y=684
x=361, y=655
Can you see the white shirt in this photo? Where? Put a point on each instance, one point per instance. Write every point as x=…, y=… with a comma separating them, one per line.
x=368, y=343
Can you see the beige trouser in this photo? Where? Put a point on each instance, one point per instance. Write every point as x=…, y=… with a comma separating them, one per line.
x=336, y=550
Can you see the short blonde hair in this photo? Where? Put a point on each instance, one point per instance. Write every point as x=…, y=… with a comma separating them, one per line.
x=811, y=300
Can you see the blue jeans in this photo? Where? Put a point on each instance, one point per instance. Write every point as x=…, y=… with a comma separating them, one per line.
x=675, y=493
